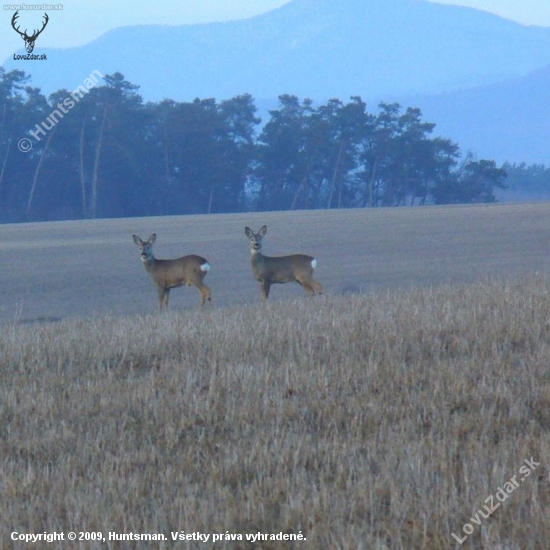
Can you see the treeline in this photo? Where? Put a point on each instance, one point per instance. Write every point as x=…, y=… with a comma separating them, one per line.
x=526, y=183
x=110, y=154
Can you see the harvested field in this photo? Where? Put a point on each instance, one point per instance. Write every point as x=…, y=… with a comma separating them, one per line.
x=67, y=269
x=385, y=414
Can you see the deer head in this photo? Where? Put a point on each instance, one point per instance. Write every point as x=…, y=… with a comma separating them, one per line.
x=29, y=40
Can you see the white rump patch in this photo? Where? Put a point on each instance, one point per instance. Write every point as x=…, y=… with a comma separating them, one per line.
x=205, y=266
x=314, y=263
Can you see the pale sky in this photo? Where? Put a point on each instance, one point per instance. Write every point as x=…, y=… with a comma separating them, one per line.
x=81, y=21
x=527, y=12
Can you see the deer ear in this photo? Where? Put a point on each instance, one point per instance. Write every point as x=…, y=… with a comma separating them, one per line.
x=137, y=240
x=262, y=231
x=248, y=232
x=152, y=238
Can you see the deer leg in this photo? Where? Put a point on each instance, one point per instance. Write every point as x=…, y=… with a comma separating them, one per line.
x=307, y=287
x=311, y=287
x=264, y=289
x=164, y=296
x=204, y=292
x=318, y=287
x=161, y=292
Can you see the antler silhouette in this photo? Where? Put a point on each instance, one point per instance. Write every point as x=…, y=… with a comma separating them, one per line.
x=29, y=40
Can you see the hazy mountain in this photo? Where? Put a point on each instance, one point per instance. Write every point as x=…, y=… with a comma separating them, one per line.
x=314, y=48
x=505, y=121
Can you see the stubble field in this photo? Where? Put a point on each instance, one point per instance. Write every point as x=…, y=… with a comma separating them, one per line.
x=386, y=414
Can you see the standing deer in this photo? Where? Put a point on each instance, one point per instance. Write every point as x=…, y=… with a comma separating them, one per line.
x=168, y=274
x=268, y=270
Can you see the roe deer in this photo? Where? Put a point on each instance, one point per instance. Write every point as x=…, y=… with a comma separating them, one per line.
x=268, y=270
x=168, y=274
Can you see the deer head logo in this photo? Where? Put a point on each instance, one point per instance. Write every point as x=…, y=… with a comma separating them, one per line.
x=29, y=40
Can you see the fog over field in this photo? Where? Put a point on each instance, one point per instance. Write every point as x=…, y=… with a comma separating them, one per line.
x=80, y=268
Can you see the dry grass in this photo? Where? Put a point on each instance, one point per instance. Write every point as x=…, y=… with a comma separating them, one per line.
x=379, y=421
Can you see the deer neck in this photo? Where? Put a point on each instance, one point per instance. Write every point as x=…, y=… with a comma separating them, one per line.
x=256, y=258
x=148, y=262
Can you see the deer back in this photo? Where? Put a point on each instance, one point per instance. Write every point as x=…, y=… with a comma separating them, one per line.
x=186, y=270
x=282, y=269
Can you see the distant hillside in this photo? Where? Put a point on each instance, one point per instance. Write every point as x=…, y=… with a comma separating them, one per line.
x=508, y=121
x=314, y=48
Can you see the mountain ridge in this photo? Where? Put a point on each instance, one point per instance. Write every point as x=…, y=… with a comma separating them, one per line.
x=506, y=121
x=310, y=48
